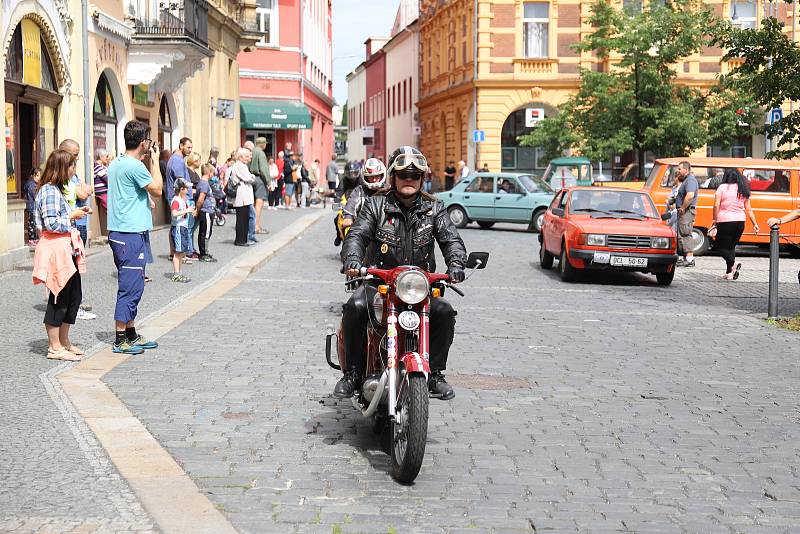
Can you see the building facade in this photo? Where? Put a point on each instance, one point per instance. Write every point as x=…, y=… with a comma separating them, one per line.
x=402, y=54
x=356, y=102
x=285, y=80
x=525, y=68
x=164, y=64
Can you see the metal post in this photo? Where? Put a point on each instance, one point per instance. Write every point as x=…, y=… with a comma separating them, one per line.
x=774, y=241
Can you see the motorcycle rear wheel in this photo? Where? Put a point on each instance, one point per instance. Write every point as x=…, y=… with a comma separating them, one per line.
x=409, y=430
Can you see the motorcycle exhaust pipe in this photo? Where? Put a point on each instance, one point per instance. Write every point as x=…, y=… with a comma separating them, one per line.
x=376, y=399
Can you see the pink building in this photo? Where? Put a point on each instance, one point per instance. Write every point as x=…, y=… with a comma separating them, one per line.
x=285, y=81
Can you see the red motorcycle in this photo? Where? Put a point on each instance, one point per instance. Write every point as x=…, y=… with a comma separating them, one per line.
x=394, y=385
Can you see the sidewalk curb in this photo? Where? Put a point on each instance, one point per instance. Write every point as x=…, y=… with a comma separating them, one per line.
x=167, y=493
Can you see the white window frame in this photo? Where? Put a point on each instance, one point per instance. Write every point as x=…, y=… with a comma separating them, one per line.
x=744, y=22
x=261, y=13
x=526, y=21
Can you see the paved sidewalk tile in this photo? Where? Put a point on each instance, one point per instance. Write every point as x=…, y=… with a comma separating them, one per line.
x=54, y=476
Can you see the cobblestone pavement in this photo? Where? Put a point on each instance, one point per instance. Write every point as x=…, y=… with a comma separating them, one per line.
x=54, y=476
x=612, y=405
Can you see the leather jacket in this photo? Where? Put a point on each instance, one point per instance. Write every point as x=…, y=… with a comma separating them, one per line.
x=356, y=200
x=389, y=236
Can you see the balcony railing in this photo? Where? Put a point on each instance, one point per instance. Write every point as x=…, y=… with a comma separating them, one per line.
x=534, y=66
x=177, y=18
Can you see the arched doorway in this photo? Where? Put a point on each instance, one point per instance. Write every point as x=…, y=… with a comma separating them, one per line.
x=165, y=127
x=516, y=158
x=104, y=129
x=31, y=104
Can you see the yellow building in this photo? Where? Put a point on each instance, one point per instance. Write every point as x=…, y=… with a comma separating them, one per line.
x=171, y=65
x=525, y=69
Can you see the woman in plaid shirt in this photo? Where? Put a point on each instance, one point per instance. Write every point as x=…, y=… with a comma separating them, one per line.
x=59, y=255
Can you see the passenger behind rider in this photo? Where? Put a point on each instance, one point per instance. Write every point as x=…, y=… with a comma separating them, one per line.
x=373, y=178
x=408, y=222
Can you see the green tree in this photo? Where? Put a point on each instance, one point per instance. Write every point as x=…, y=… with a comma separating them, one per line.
x=637, y=104
x=770, y=72
x=344, y=114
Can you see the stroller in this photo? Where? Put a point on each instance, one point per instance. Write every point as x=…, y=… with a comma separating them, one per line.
x=220, y=202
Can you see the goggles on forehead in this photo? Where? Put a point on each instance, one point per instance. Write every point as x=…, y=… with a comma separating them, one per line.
x=406, y=161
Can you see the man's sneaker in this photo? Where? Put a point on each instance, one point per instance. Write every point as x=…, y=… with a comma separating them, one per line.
x=85, y=315
x=346, y=386
x=438, y=386
x=126, y=347
x=143, y=342
x=681, y=262
x=85, y=307
x=178, y=277
x=689, y=264
x=208, y=259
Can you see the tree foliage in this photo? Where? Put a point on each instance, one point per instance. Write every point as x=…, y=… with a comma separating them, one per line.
x=770, y=73
x=637, y=103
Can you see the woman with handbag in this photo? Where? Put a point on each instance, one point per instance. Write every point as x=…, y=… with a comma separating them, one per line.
x=241, y=185
x=731, y=209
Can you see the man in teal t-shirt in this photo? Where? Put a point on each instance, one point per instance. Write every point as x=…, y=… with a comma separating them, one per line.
x=129, y=225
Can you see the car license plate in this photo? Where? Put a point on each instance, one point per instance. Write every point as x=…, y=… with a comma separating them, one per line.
x=602, y=257
x=624, y=261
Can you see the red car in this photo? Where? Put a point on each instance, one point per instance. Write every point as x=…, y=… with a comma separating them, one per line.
x=591, y=228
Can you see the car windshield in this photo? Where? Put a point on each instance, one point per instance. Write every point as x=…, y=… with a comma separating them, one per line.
x=613, y=203
x=534, y=184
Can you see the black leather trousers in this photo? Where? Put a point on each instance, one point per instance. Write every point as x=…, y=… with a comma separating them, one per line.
x=354, y=328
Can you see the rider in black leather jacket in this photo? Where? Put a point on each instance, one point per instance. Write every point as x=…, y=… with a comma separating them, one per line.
x=398, y=226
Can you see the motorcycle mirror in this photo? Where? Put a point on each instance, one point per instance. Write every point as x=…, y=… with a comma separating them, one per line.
x=477, y=260
x=666, y=216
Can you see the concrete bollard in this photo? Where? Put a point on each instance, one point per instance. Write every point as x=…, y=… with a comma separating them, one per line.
x=774, y=249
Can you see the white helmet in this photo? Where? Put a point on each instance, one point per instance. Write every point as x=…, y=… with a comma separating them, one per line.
x=373, y=174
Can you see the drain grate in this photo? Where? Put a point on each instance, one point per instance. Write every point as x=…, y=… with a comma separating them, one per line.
x=492, y=382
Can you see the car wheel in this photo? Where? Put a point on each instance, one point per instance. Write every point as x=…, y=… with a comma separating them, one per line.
x=793, y=250
x=458, y=216
x=485, y=224
x=700, y=241
x=545, y=257
x=568, y=272
x=537, y=220
x=665, y=279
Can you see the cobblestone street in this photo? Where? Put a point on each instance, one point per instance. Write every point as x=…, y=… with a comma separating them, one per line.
x=607, y=405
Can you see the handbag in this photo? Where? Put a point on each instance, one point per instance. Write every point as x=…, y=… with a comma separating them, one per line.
x=231, y=188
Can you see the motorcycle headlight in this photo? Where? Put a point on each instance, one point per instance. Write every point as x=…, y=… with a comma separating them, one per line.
x=377, y=307
x=660, y=242
x=412, y=287
x=598, y=240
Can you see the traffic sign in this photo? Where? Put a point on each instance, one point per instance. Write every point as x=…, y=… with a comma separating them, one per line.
x=478, y=136
x=775, y=115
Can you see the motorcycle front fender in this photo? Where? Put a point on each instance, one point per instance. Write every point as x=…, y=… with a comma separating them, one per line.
x=413, y=362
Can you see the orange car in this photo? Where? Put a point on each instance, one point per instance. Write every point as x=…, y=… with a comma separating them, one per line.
x=591, y=228
x=774, y=185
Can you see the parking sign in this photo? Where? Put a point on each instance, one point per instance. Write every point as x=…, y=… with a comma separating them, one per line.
x=775, y=115
x=478, y=136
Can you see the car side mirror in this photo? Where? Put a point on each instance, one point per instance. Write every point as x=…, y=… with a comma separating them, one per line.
x=558, y=212
x=477, y=260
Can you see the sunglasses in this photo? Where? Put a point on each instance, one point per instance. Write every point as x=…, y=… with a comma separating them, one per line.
x=408, y=177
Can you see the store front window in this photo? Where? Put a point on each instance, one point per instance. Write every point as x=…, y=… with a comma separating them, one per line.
x=164, y=125
x=269, y=150
x=516, y=158
x=105, y=118
x=31, y=104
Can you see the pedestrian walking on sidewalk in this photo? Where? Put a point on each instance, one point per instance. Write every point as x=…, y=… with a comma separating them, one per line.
x=193, y=167
x=731, y=207
x=31, y=187
x=275, y=179
x=242, y=180
x=59, y=259
x=332, y=173
x=204, y=212
x=78, y=195
x=129, y=223
x=686, y=202
x=259, y=166
x=176, y=168
x=180, y=228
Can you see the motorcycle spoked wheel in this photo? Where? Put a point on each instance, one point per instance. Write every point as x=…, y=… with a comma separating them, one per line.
x=409, y=430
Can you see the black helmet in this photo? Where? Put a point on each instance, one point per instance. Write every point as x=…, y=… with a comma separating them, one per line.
x=352, y=170
x=406, y=157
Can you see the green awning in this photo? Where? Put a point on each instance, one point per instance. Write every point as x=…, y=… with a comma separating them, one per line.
x=274, y=114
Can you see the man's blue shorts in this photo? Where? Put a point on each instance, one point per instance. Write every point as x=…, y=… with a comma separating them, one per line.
x=131, y=253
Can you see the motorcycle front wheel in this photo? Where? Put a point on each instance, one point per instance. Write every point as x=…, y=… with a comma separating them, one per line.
x=409, y=430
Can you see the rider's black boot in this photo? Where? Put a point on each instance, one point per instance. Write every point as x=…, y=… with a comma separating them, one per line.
x=346, y=386
x=438, y=386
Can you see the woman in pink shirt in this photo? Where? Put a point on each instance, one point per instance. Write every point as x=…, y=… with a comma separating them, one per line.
x=731, y=209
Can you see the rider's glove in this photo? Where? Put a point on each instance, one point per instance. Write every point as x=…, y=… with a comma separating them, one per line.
x=351, y=264
x=456, y=274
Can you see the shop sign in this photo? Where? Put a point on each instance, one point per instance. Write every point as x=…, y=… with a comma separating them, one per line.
x=143, y=95
x=533, y=116
x=31, y=53
x=109, y=54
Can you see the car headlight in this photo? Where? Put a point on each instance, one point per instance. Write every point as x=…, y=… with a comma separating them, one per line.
x=598, y=240
x=412, y=287
x=660, y=242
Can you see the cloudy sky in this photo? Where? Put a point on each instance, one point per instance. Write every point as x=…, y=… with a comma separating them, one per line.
x=353, y=22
